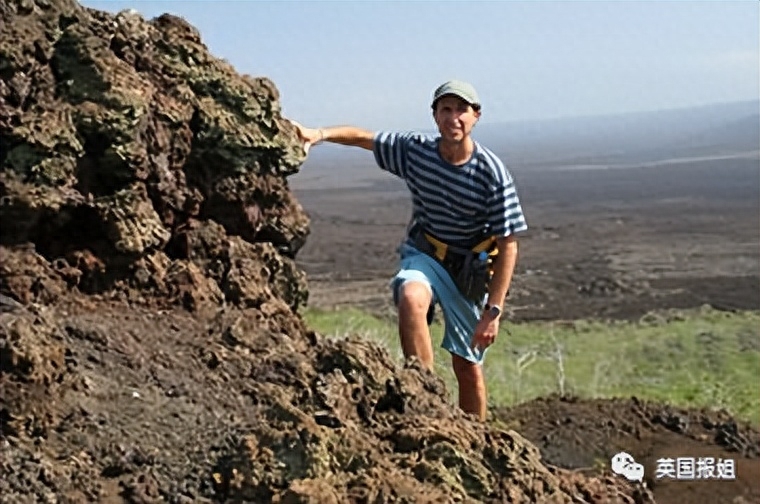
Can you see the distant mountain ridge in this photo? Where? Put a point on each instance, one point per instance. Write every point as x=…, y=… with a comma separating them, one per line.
x=636, y=137
x=630, y=137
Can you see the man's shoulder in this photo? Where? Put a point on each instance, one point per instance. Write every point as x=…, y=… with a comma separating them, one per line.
x=492, y=163
x=488, y=156
x=410, y=136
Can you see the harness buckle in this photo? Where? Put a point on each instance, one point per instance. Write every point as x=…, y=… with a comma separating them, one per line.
x=471, y=268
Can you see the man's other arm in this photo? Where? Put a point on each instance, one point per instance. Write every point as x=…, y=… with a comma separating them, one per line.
x=504, y=268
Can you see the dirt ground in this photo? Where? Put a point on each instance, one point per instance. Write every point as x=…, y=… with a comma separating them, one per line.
x=584, y=434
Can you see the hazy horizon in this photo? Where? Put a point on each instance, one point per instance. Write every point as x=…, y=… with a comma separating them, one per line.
x=686, y=134
x=375, y=64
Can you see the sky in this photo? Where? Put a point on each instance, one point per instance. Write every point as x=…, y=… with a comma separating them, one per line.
x=375, y=64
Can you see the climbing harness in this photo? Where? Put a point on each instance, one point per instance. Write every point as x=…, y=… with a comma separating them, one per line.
x=471, y=268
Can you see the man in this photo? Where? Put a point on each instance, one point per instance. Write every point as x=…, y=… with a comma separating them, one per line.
x=462, y=195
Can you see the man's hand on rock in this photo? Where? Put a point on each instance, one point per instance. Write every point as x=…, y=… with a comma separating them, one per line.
x=309, y=136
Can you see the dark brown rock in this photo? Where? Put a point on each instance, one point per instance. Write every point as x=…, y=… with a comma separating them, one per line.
x=116, y=132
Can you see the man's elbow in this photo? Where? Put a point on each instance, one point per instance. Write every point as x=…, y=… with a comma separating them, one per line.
x=366, y=140
x=366, y=143
x=363, y=138
x=507, y=244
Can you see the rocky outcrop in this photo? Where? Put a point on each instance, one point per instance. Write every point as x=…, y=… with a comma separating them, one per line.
x=103, y=403
x=133, y=159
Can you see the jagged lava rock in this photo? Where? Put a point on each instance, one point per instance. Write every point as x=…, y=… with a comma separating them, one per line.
x=117, y=133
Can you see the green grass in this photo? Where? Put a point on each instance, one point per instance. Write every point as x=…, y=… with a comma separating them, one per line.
x=692, y=358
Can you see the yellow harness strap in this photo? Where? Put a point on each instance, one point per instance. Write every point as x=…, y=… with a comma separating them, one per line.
x=441, y=248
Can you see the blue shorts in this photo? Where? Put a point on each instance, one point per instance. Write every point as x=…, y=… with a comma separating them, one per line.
x=460, y=315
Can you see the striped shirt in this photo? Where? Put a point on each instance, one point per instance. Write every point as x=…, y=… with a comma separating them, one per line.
x=457, y=204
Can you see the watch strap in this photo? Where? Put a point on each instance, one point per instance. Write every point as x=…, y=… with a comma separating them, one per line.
x=493, y=308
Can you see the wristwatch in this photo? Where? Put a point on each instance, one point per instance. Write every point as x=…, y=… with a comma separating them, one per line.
x=492, y=310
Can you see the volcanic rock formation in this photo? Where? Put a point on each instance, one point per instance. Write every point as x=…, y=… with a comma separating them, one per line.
x=150, y=344
x=132, y=158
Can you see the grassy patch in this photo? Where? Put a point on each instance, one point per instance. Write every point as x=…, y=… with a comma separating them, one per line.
x=691, y=358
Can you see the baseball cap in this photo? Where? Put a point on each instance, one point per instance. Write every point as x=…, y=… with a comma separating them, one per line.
x=458, y=88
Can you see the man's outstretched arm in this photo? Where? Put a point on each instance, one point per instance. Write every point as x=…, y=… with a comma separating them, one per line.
x=344, y=135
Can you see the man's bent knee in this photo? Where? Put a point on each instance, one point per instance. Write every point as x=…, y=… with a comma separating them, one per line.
x=415, y=298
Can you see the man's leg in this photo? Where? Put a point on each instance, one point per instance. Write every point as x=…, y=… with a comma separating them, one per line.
x=414, y=300
x=472, y=386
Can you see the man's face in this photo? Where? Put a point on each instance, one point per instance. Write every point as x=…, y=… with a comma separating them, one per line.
x=455, y=118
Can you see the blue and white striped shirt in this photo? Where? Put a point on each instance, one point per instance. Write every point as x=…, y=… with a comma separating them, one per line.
x=457, y=204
